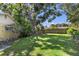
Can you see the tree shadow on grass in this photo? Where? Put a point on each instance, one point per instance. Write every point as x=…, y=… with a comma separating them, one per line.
x=22, y=47
x=59, y=43
x=25, y=46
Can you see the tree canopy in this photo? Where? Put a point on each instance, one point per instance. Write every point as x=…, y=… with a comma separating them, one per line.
x=72, y=10
x=35, y=13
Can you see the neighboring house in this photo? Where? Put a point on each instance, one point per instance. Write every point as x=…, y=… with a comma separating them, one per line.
x=7, y=27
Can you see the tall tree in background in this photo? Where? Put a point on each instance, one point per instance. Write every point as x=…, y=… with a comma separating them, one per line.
x=72, y=11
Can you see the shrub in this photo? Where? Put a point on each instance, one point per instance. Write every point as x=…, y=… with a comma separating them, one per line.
x=70, y=31
x=76, y=33
x=76, y=36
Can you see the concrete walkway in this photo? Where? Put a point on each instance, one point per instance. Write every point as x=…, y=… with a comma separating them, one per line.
x=4, y=47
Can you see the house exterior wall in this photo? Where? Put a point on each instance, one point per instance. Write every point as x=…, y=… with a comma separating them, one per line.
x=4, y=34
x=2, y=17
x=1, y=32
x=11, y=34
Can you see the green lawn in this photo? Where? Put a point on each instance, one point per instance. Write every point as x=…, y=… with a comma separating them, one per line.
x=47, y=45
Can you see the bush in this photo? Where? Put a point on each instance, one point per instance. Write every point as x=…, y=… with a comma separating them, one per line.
x=70, y=31
x=76, y=33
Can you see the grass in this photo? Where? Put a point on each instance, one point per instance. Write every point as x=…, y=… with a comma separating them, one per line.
x=47, y=45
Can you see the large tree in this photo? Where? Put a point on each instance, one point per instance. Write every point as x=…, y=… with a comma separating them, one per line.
x=72, y=11
x=35, y=13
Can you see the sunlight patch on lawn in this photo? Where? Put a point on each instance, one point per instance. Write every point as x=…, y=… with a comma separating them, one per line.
x=24, y=52
x=42, y=38
x=39, y=42
x=55, y=52
x=72, y=51
x=59, y=34
x=48, y=52
x=1, y=53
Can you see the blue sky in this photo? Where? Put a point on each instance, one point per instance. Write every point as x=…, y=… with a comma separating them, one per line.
x=59, y=20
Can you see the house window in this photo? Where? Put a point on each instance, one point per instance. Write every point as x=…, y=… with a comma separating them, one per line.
x=8, y=28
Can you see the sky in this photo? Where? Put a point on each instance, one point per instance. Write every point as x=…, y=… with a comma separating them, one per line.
x=58, y=20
